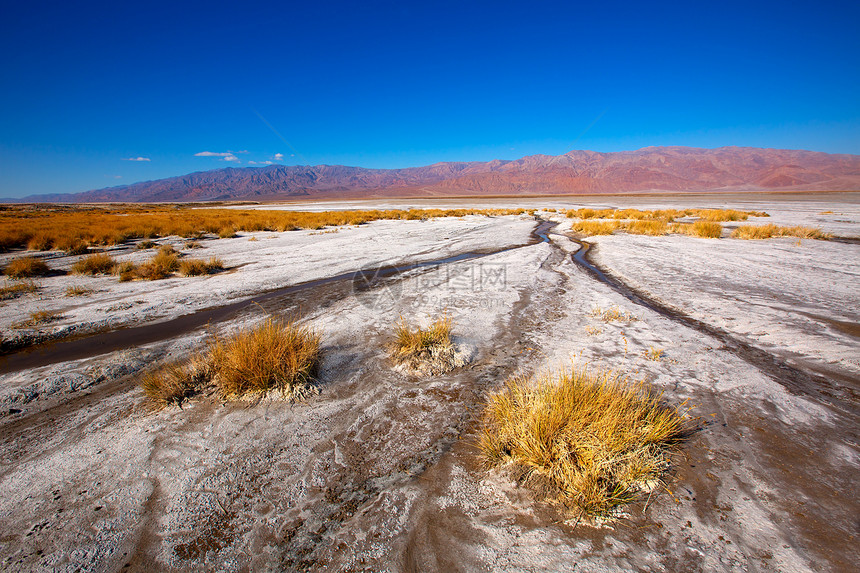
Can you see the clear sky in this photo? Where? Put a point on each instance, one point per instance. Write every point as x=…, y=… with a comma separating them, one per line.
x=100, y=94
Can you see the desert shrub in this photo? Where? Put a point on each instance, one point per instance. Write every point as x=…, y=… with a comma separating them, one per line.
x=705, y=229
x=196, y=267
x=771, y=230
x=160, y=266
x=175, y=383
x=17, y=288
x=126, y=270
x=39, y=243
x=717, y=215
x=654, y=228
x=273, y=355
x=588, y=441
x=146, y=244
x=803, y=233
x=78, y=290
x=26, y=267
x=595, y=227
x=226, y=233
x=39, y=317
x=424, y=350
x=612, y=314
x=96, y=264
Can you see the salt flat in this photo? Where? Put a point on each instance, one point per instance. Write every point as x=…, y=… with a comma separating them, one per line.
x=380, y=470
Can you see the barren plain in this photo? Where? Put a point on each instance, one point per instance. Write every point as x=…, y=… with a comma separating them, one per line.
x=380, y=470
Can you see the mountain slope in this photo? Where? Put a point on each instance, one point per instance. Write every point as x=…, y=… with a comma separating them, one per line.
x=678, y=169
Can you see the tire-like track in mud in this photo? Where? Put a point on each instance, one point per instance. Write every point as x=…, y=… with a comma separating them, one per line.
x=843, y=398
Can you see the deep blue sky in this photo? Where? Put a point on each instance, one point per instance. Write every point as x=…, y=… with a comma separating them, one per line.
x=86, y=86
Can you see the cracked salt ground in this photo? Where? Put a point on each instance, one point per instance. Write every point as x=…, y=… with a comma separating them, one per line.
x=380, y=471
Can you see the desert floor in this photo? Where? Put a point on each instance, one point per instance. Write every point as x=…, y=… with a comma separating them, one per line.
x=380, y=471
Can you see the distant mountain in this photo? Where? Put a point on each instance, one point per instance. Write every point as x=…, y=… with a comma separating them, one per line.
x=676, y=169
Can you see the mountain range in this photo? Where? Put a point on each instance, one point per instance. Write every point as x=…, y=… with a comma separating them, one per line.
x=672, y=169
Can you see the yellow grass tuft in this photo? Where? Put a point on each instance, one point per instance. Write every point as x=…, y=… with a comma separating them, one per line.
x=770, y=230
x=26, y=267
x=705, y=229
x=591, y=228
x=39, y=317
x=78, y=290
x=588, y=441
x=271, y=356
x=654, y=228
x=175, y=383
x=160, y=266
x=97, y=264
x=17, y=288
x=612, y=314
x=197, y=267
x=654, y=354
x=424, y=350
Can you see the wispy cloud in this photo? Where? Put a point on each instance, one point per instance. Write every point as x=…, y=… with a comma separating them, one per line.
x=223, y=156
x=279, y=157
x=212, y=154
x=136, y=159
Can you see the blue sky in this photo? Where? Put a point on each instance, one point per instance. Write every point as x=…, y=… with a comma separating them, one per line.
x=87, y=87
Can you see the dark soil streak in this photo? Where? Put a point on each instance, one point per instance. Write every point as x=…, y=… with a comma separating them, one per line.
x=43, y=352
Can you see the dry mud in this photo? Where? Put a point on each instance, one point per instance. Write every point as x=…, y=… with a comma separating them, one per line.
x=379, y=472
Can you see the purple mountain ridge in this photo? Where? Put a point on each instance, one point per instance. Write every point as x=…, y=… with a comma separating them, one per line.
x=670, y=169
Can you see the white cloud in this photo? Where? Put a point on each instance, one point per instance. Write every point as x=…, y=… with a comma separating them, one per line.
x=279, y=157
x=135, y=159
x=230, y=157
x=117, y=176
x=213, y=154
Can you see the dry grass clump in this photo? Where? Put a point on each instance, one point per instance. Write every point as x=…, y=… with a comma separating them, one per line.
x=175, y=383
x=613, y=314
x=718, y=215
x=14, y=290
x=26, y=267
x=160, y=266
x=126, y=271
x=595, y=227
x=705, y=229
x=588, y=441
x=654, y=354
x=424, y=350
x=654, y=228
x=146, y=244
x=770, y=230
x=273, y=355
x=197, y=267
x=78, y=290
x=39, y=317
x=97, y=264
